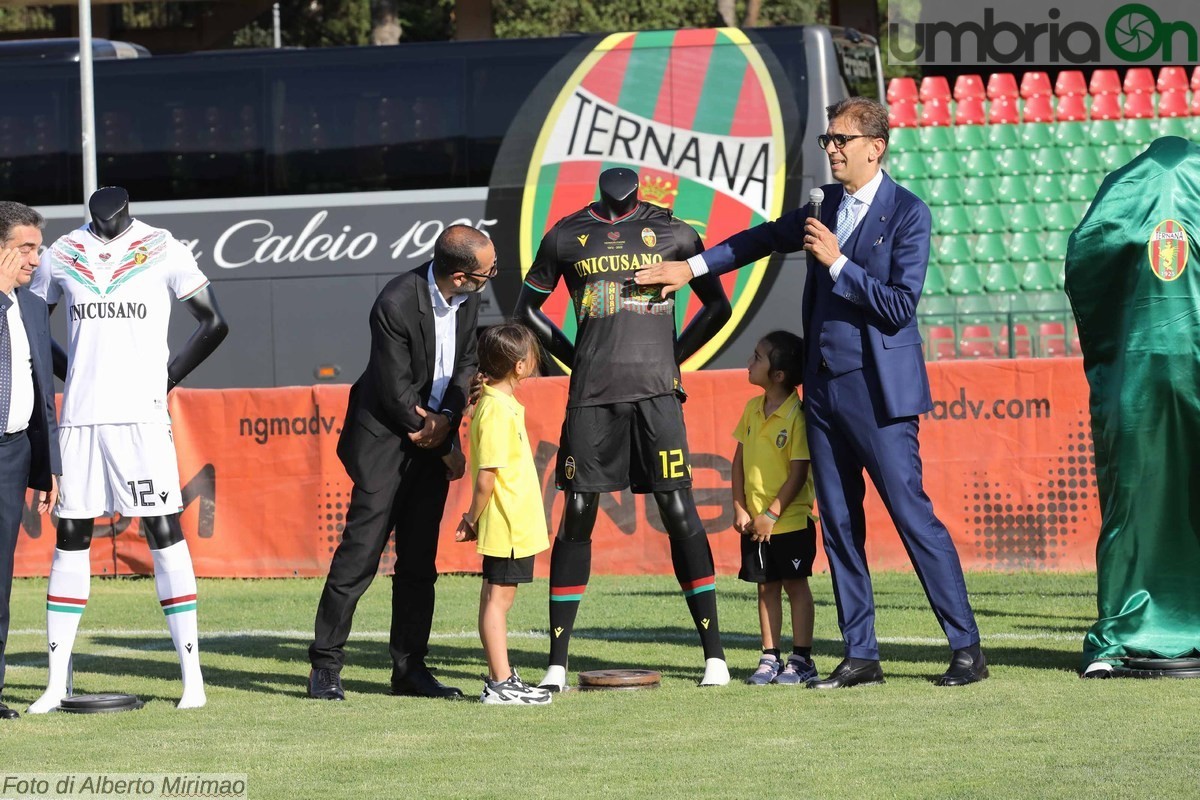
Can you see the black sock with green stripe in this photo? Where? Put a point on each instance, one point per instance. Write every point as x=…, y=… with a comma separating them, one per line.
x=570, y=568
x=693, y=562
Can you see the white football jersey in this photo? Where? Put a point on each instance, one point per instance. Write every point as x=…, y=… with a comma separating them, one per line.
x=117, y=297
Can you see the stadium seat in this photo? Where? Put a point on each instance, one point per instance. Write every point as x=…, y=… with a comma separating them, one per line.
x=934, y=87
x=969, y=137
x=950, y=220
x=1071, y=108
x=901, y=89
x=1070, y=82
x=1038, y=108
x=1000, y=277
x=935, y=281
x=1083, y=158
x=1013, y=189
x=1194, y=84
x=939, y=343
x=1013, y=161
x=989, y=248
x=951, y=250
x=1105, y=132
x=1054, y=244
x=979, y=162
x=1138, y=131
x=978, y=191
x=988, y=218
x=1106, y=106
x=1083, y=186
x=1104, y=81
x=1052, y=339
x=1172, y=79
x=943, y=164
x=970, y=111
x=1114, y=156
x=1139, y=106
x=936, y=137
x=1175, y=126
x=1048, y=161
x=1002, y=136
x=1035, y=84
x=903, y=138
x=1026, y=247
x=1025, y=217
x=1059, y=268
x=968, y=86
x=1138, y=80
x=1173, y=103
x=1059, y=217
x=1070, y=134
x=1004, y=110
x=979, y=308
x=977, y=341
x=1002, y=84
x=903, y=165
x=1036, y=276
x=938, y=309
x=934, y=112
x=1021, y=345
x=964, y=279
x=942, y=192
x=1074, y=347
x=1037, y=134
x=902, y=114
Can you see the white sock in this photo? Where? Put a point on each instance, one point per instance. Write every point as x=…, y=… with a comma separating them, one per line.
x=555, y=676
x=66, y=597
x=175, y=582
x=716, y=672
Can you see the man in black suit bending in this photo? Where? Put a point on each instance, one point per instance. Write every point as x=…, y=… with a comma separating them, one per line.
x=399, y=445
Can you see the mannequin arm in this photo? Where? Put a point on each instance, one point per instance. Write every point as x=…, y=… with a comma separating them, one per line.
x=529, y=313
x=712, y=317
x=210, y=332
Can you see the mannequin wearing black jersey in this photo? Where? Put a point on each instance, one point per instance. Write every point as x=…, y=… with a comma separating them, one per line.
x=691, y=554
x=109, y=208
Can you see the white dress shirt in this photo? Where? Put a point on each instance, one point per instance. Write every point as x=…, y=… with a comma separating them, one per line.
x=445, y=332
x=21, y=400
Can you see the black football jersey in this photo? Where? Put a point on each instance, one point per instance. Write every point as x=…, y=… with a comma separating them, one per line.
x=625, y=339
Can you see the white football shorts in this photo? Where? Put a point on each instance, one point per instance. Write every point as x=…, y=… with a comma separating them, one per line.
x=129, y=469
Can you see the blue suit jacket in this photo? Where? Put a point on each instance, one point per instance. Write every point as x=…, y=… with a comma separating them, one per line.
x=43, y=425
x=883, y=276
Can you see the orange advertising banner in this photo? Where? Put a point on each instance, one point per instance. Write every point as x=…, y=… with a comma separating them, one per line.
x=1007, y=461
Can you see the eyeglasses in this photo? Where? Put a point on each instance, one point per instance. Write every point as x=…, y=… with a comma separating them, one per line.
x=839, y=139
x=493, y=272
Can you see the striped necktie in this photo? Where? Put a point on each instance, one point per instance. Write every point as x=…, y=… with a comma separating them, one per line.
x=5, y=371
x=847, y=213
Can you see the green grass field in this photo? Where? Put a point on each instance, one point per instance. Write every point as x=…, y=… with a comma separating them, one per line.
x=1033, y=730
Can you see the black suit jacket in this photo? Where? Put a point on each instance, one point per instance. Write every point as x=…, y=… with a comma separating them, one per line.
x=43, y=424
x=399, y=377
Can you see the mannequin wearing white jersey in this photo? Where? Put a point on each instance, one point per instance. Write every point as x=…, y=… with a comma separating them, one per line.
x=71, y=569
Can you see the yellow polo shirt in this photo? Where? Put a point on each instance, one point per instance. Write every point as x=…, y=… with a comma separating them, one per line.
x=513, y=522
x=769, y=445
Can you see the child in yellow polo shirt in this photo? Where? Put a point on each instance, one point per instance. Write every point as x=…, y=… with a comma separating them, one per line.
x=773, y=505
x=506, y=516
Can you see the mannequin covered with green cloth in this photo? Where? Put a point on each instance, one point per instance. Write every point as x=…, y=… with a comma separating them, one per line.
x=1133, y=278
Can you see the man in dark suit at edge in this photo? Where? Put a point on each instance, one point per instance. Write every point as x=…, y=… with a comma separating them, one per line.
x=399, y=444
x=865, y=383
x=29, y=456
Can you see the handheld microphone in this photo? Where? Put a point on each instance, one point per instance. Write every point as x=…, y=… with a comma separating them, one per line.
x=815, y=198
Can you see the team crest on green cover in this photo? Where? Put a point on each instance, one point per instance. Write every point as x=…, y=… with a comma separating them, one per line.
x=1168, y=248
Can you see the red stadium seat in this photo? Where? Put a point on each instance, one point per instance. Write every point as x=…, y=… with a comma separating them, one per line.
x=1071, y=108
x=902, y=114
x=1195, y=84
x=1074, y=347
x=1139, y=106
x=1196, y=104
x=901, y=89
x=1022, y=342
x=1173, y=103
x=1106, y=106
x=935, y=113
x=977, y=342
x=1172, y=79
x=1138, y=80
x=1070, y=81
x=970, y=111
x=1002, y=84
x=1038, y=108
x=1004, y=111
x=939, y=342
x=969, y=86
x=1052, y=339
x=934, y=87
x=1104, y=81
x=1034, y=84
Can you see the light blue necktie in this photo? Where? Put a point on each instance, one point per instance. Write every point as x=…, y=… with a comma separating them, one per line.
x=846, y=215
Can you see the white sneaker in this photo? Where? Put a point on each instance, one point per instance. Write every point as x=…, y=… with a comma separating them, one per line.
x=716, y=672
x=555, y=680
x=512, y=692
x=47, y=702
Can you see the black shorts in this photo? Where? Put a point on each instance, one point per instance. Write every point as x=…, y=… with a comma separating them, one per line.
x=642, y=445
x=508, y=570
x=783, y=557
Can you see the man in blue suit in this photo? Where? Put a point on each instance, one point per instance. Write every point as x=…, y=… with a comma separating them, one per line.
x=864, y=383
x=28, y=429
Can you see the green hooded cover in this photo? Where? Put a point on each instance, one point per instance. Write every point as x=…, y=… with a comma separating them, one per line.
x=1134, y=286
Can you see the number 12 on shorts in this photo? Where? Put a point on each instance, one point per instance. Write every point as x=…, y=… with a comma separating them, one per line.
x=672, y=464
x=143, y=496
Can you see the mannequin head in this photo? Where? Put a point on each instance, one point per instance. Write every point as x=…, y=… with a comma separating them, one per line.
x=618, y=192
x=109, y=208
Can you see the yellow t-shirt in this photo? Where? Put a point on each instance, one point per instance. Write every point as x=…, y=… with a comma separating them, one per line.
x=769, y=445
x=513, y=522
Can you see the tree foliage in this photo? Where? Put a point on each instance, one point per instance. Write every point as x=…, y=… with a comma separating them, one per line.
x=519, y=18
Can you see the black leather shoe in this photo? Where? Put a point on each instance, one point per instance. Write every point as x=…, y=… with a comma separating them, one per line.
x=851, y=672
x=325, y=684
x=964, y=669
x=7, y=713
x=421, y=683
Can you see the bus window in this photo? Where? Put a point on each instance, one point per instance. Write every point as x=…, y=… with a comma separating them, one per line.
x=858, y=64
x=34, y=141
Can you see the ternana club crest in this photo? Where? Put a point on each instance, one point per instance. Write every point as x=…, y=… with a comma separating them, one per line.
x=1168, y=250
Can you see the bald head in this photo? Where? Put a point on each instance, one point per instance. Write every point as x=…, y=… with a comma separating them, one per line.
x=458, y=250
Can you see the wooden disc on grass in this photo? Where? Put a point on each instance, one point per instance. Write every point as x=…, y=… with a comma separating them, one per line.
x=620, y=679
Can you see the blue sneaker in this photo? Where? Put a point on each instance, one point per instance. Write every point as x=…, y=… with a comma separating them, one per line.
x=768, y=669
x=797, y=670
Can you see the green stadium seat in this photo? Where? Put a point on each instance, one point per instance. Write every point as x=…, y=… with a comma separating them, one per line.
x=1026, y=247
x=951, y=250
x=1036, y=276
x=1139, y=131
x=1050, y=188
x=964, y=279
x=1084, y=158
x=1049, y=305
x=1048, y=161
x=1083, y=186
x=905, y=165
x=970, y=137
x=943, y=192
x=989, y=219
x=1014, y=161
x=935, y=281
x=1035, y=135
x=1175, y=126
x=1105, y=131
x=1054, y=245
x=1001, y=137
x=919, y=187
x=979, y=163
x=937, y=309
x=935, y=138
x=1013, y=189
x=1115, y=156
x=979, y=308
x=943, y=164
x=1060, y=274
x=1071, y=134
x=1025, y=217
x=978, y=191
x=1059, y=217
x=989, y=248
x=1000, y=277
x=950, y=220
x=904, y=139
